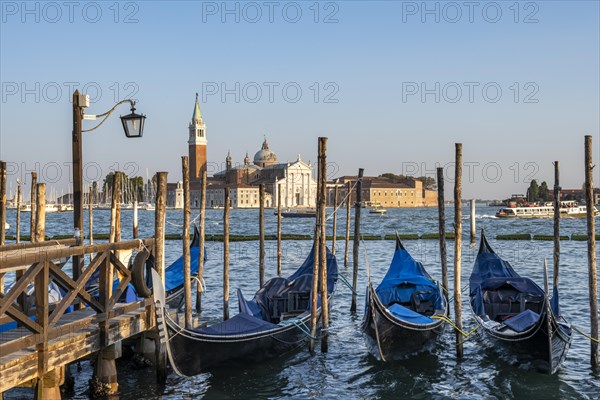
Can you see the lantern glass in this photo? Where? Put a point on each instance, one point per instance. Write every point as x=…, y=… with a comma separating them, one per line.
x=133, y=124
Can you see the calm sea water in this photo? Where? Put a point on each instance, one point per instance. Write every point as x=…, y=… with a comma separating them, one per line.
x=347, y=370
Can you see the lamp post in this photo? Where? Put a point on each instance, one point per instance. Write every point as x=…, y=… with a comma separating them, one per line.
x=133, y=125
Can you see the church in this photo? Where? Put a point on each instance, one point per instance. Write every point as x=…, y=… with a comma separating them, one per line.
x=293, y=179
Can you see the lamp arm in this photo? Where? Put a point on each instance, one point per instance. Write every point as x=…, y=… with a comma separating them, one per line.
x=107, y=114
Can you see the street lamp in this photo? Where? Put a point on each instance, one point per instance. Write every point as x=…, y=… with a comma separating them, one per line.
x=133, y=126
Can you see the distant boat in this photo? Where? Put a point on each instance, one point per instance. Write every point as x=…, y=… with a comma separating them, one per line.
x=568, y=209
x=300, y=213
x=6, y=226
x=377, y=210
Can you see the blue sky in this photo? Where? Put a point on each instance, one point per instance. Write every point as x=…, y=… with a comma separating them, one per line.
x=362, y=69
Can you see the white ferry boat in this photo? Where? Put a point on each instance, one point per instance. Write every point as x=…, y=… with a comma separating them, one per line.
x=568, y=209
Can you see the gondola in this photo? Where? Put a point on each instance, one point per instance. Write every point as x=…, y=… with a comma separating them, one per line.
x=404, y=314
x=276, y=320
x=516, y=314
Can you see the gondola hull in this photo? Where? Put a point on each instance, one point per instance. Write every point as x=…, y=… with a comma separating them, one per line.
x=534, y=346
x=192, y=353
x=517, y=317
x=391, y=338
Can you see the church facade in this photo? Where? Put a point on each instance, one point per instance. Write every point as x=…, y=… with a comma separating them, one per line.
x=293, y=181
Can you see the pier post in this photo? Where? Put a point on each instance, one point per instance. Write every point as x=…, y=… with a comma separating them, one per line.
x=226, y=255
x=279, y=229
x=159, y=223
x=187, y=275
x=77, y=151
x=355, y=246
x=334, y=225
x=556, y=204
x=442, y=229
x=473, y=233
x=135, y=220
x=201, y=252
x=2, y=213
x=591, y=245
x=458, y=247
x=104, y=382
x=347, y=246
x=32, y=207
x=323, y=243
x=261, y=234
x=47, y=386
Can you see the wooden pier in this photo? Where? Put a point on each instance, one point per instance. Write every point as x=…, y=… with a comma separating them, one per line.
x=36, y=352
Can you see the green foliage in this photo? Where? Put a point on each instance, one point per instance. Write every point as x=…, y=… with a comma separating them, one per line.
x=427, y=181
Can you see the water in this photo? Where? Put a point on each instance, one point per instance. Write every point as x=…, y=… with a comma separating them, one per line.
x=347, y=371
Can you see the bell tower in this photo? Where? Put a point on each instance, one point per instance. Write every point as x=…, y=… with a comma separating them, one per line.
x=197, y=144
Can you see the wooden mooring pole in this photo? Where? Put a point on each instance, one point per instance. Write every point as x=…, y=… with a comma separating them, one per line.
x=323, y=243
x=159, y=223
x=348, y=202
x=279, y=229
x=473, y=233
x=556, y=204
x=334, y=225
x=159, y=257
x=458, y=247
x=355, y=246
x=261, y=235
x=32, y=207
x=314, y=299
x=187, y=274
x=591, y=244
x=226, y=255
x=18, y=227
x=115, y=222
x=442, y=229
x=135, y=220
x=199, y=287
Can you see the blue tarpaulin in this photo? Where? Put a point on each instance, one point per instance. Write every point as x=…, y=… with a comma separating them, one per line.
x=409, y=315
x=240, y=324
x=523, y=321
x=407, y=282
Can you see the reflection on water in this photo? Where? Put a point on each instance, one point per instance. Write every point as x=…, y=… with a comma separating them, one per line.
x=347, y=371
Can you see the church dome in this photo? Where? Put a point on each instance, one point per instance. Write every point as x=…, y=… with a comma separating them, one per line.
x=265, y=156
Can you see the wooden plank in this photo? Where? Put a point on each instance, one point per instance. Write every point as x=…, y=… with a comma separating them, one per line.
x=75, y=289
x=7, y=300
x=12, y=259
x=22, y=366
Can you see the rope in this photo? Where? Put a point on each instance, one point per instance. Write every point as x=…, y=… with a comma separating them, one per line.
x=342, y=202
x=301, y=325
x=181, y=225
x=449, y=321
x=585, y=334
x=201, y=282
x=345, y=281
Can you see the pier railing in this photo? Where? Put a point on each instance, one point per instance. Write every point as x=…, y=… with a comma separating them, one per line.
x=38, y=264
